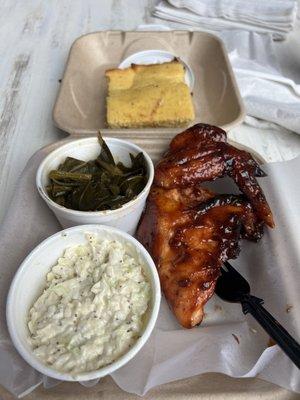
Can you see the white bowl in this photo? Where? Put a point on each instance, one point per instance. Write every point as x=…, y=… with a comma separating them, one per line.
x=29, y=281
x=125, y=218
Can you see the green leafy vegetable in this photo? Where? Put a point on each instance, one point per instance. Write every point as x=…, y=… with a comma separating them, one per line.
x=98, y=184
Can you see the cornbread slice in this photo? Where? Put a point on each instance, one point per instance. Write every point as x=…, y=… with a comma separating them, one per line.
x=148, y=96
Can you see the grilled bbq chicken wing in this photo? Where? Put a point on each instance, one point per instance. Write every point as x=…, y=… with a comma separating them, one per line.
x=201, y=154
x=189, y=230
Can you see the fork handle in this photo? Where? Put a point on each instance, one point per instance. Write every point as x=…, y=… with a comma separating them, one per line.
x=253, y=306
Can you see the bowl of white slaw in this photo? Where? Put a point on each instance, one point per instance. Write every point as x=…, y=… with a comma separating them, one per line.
x=83, y=303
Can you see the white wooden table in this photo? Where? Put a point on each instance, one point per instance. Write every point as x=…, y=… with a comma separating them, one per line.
x=35, y=37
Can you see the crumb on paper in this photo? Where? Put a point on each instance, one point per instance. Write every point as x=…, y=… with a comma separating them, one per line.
x=271, y=342
x=236, y=338
x=217, y=307
x=289, y=308
x=253, y=330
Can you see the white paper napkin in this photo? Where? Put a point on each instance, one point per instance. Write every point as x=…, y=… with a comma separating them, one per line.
x=273, y=16
x=271, y=99
x=226, y=342
x=267, y=94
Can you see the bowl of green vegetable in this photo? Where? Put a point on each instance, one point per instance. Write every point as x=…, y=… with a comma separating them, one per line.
x=96, y=181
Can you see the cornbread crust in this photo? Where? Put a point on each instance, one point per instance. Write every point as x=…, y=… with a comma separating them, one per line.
x=148, y=96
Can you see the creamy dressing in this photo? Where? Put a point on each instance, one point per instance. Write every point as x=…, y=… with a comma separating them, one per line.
x=92, y=309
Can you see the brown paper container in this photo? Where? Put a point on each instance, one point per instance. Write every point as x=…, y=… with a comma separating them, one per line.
x=80, y=105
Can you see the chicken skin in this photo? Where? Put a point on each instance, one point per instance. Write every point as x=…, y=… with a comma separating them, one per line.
x=201, y=154
x=190, y=230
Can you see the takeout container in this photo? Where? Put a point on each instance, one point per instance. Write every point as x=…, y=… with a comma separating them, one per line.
x=30, y=280
x=125, y=218
x=80, y=107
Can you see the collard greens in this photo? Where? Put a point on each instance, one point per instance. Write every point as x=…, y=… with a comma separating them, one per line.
x=98, y=184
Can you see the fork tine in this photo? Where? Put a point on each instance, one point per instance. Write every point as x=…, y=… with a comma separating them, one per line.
x=228, y=266
x=223, y=270
x=232, y=273
x=231, y=269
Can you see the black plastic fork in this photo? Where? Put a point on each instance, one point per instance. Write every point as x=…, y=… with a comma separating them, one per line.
x=233, y=287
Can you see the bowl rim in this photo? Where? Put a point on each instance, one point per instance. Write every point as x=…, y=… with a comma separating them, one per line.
x=53, y=204
x=32, y=360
